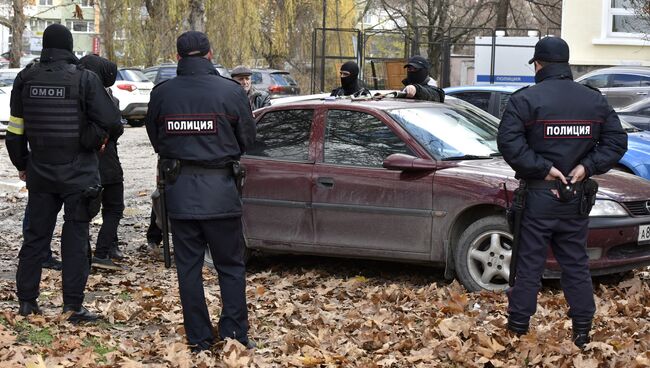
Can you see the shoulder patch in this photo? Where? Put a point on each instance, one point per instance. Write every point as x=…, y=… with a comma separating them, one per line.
x=520, y=89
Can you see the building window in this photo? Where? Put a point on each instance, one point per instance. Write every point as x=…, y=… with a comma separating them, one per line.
x=87, y=3
x=39, y=25
x=45, y=2
x=81, y=26
x=622, y=21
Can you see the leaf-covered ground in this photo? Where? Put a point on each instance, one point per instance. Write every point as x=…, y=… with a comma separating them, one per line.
x=303, y=311
x=322, y=313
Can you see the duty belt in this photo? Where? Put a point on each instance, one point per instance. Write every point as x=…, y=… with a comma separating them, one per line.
x=547, y=184
x=202, y=170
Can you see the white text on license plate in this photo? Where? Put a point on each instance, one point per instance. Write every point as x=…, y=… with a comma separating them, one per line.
x=644, y=234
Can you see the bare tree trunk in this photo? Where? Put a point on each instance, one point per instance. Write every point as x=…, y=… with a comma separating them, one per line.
x=17, y=28
x=197, y=15
x=110, y=13
x=502, y=13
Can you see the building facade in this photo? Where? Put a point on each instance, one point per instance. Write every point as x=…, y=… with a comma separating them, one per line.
x=605, y=33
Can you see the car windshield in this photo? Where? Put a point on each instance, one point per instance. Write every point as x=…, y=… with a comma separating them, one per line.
x=629, y=128
x=635, y=106
x=450, y=133
x=133, y=75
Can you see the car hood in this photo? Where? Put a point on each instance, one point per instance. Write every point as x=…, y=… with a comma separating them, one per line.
x=615, y=185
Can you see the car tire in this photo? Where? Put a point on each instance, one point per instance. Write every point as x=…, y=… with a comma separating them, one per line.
x=210, y=263
x=135, y=123
x=482, y=255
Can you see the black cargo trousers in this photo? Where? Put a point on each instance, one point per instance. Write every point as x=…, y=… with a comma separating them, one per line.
x=42, y=211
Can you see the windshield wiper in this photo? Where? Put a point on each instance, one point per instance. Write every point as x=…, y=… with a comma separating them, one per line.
x=466, y=157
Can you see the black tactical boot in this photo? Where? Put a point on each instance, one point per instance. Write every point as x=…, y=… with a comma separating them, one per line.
x=27, y=307
x=79, y=313
x=581, y=332
x=53, y=264
x=115, y=252
x=520, y=328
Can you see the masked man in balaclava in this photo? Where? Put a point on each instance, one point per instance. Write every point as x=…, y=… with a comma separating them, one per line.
x=418, y=83
x=350, y=83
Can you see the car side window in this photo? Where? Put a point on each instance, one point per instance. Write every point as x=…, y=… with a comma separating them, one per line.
x=478, y=99
x=625, y=80
x=283, y=135
x=119, y=77
x=256, y=78
x=359, y=139
x=597, y=81
x=645, y=81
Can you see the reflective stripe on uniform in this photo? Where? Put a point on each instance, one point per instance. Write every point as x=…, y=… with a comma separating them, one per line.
x=16, y=125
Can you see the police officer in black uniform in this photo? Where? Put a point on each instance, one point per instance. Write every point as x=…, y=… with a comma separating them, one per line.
x=63, y=112
x=418, y=84
x=555, y=135
x=200, y=123
x=350, y=83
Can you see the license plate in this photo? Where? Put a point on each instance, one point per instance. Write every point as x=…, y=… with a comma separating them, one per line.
x=644, y=234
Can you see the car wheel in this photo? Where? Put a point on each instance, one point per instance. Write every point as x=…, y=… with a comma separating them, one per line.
x=135, y=123
x=210, y=263
x=482, y=255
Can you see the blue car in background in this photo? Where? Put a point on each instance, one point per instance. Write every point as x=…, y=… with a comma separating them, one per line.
x=494, y=98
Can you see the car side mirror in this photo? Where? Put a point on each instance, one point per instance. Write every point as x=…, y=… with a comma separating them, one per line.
x=400, y=161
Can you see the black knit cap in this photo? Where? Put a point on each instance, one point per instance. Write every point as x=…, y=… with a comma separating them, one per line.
x=192, y=43
x=57, y=36
x=553, y=49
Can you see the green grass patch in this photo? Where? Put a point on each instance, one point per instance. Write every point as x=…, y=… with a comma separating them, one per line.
x=125, y=296
x=97, y=346
x=33, y=335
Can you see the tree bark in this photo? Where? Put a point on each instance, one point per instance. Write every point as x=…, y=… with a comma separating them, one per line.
x=110, y=13
x=502, y=14
x=197, y=15
x=17, y=28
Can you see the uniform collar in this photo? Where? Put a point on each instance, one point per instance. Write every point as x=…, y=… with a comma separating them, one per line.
x=52, y=55
x=554, y=71
x=195, y=66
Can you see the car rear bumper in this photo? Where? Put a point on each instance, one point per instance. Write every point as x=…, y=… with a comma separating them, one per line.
x=135, y=110
x=612, y=247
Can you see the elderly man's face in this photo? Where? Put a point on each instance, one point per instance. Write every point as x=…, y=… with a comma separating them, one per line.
x=245, y=81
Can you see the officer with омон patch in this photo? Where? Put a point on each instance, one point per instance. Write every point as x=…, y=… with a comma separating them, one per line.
x=200, y=123
x=556, y=135
x=63, y=113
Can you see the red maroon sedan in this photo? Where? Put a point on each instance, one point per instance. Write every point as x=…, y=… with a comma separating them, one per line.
x=410, y=181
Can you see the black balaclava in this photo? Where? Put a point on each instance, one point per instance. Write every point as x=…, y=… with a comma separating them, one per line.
x=104, y=68
x=417, y=77
x=349, y=83
x=57, y=36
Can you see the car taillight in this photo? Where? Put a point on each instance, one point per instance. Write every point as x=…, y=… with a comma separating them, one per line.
x=127, y=87
x=275, y=89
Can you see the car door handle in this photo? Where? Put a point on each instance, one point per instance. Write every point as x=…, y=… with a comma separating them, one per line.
x=325, y=182
x=642, y=93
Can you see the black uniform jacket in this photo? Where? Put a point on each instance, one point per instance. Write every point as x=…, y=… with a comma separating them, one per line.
x=426, y=92
x=96, y=106
x=110, y=168
x=200, y=117
x=559, y=123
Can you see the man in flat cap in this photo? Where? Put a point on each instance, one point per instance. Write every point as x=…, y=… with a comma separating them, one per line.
x=60, y=116
x=555, y=135
x=419, y=85
x=257, y=99
x=200, y=123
